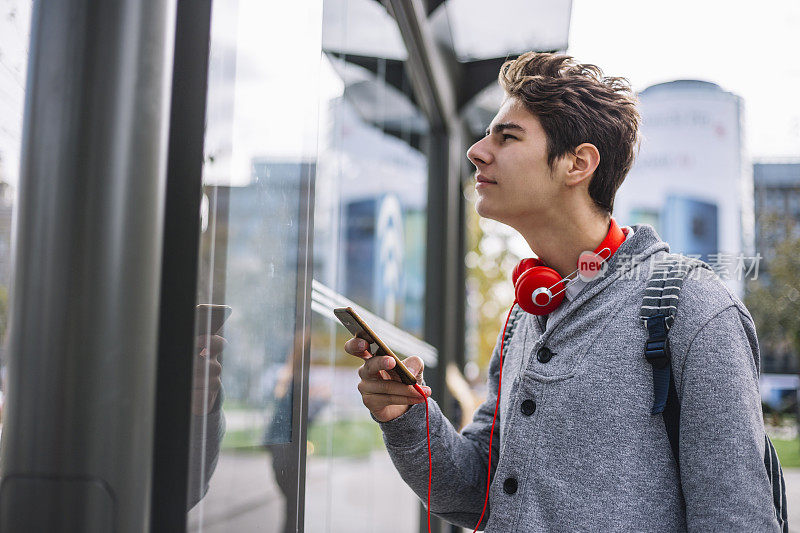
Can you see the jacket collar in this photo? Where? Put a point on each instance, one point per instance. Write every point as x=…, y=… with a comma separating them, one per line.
x=635, y=252
x=575, y=287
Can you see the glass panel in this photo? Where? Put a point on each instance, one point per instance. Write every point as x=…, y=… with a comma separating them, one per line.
x=260, y=162
x=15, y=18
x=361, y=27
x=281, y=125
x=483, y=30
x=369, y=246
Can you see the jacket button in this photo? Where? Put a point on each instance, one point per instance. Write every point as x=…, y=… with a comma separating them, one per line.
x=544, y=354
x=510, y=486
x=528, y=407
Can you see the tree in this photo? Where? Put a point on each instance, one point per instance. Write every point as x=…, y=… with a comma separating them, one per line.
x=774, y=298
x=494, y=250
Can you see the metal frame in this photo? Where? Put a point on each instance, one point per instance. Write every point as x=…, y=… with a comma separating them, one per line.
x=433, y=76
x=302, y=360
x=179, y=270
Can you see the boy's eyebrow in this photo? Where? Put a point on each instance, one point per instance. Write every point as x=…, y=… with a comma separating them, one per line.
x=506, y=126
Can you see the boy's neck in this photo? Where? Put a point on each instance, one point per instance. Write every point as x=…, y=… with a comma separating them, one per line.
x=559, y=242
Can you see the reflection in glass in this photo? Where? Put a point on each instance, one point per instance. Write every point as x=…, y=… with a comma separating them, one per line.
x=470, y=27
x=259, y=170
x=369, y=246
x=289, y=131
x=15, y=17
x=370, y=220
x=373, y=31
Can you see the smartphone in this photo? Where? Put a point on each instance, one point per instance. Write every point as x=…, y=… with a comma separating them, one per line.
x=356, y=325
x=211, y=316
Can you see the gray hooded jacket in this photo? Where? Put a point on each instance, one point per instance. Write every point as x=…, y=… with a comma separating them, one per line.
x=575, y=446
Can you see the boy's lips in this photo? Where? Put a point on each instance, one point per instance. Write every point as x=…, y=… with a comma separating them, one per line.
x=483, y=179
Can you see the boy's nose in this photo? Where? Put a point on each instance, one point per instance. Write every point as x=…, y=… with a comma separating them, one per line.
x=478, y=155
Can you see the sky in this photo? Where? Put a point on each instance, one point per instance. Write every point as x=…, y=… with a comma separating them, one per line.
x=751, y=49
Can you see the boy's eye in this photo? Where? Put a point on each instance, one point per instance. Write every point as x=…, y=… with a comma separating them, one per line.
x=506, y=136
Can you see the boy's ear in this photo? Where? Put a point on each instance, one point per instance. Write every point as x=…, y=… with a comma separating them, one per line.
x=582, y=163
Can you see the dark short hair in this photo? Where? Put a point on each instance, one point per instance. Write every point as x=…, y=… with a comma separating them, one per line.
x=575, y=104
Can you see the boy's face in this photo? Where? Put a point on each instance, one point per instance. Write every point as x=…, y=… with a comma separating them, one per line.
x=513, y=155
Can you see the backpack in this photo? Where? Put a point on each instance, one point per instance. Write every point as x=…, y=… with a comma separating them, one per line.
x=658, y=309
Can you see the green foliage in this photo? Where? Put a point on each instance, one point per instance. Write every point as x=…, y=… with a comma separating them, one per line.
x=788, y=452
x=344, y=438
x=242, y=438
x=489, y=262
x=340, y=438
x=774, y=299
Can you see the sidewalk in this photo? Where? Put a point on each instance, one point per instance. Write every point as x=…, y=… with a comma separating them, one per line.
x=792, y=478
x=364, y=495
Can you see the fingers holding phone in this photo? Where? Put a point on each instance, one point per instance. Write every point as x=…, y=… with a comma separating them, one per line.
x=207, y=379
x=387, y=383
x=360, y=348
x=383, y=391
x=384, y=394
x=210, y=345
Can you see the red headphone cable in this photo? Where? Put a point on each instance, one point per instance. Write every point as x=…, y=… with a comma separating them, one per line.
x=494, y=418
x=430, y=459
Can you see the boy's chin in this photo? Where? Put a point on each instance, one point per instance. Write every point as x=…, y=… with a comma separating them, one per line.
x=498, y=215
x=486, y=211
x=482, y=208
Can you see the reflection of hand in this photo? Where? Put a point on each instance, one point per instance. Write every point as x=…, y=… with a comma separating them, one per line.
x=383, y=393
x=207, y=373
x=284, y=379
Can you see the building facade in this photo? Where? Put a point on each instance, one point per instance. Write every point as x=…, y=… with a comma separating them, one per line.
x=692, y=179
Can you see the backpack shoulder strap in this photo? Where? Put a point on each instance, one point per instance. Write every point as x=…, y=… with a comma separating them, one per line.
x=775, y=473
x=658, y=310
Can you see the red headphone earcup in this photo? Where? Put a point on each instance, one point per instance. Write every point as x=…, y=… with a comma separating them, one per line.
x=533, y=279
x=523, y=265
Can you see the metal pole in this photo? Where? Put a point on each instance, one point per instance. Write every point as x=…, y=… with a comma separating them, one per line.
x=77, y=441
x=179, y=270
x=432, y=77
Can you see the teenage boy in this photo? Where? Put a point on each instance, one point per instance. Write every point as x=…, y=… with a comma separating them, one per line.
x=575, y=447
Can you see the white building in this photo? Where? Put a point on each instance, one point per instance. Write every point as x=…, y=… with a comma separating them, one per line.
x=692, y=179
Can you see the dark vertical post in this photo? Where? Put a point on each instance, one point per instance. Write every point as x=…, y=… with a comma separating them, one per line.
x=436, y=300
x=435, y=90
x=179, y=267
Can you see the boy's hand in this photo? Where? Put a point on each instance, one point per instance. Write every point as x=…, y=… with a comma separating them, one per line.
x=382, y=392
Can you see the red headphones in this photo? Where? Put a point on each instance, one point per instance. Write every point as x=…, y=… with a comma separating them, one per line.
x=539, y=289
